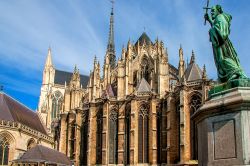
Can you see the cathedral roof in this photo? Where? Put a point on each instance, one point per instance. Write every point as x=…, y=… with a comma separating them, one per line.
x=12, y=110
x=144, y=38
x=41, y=153
x=62, y=76
x=193, y=72
x=143, y=87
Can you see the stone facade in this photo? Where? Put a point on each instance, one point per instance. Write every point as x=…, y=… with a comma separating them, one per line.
x=137, y=113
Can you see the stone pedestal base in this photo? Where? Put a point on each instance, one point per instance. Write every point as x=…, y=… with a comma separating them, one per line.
x=223, y=125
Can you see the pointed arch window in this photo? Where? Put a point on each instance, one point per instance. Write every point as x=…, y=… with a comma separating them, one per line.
x=195, y=104
x=4, y=151
x=145, y=73
x=99, y=122
x=72, y=141
x=57, y=100
x=84, y=138
x=143, y=134
x=127, y=133
x=113, y=134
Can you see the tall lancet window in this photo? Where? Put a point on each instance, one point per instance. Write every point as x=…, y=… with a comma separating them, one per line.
x=99, y=122
x=113, y=134
x=145, y=73
x=72, y=140
x=195, y=103
x=4, y=151
x=84, y=138
x=57, y=100
x=143, y=134
x=127, y=134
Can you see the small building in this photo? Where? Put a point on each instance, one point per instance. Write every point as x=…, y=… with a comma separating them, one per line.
x=20, y=129
x=42, y=156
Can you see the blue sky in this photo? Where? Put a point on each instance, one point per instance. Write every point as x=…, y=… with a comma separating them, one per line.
x=77, y=30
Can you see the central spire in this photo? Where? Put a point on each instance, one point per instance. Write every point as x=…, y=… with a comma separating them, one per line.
x=111, y=43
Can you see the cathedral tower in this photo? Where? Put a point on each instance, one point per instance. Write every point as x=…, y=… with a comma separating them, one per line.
x=47, y=83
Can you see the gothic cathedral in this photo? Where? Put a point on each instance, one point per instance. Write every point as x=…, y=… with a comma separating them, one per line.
x=139, y=112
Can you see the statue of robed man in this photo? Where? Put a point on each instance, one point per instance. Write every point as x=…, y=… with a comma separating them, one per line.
x=225, y=56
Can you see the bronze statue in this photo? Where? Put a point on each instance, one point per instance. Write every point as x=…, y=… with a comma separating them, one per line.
x=225, y=56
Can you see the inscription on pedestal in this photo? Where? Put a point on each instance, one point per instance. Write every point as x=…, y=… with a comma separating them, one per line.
x=224, y=139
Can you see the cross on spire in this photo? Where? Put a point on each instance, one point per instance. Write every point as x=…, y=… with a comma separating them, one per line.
x=112, y=2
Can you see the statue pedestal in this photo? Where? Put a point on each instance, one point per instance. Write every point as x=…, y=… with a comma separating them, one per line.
x=223, y=124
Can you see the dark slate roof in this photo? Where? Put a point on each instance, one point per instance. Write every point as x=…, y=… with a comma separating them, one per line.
x=12, y=110
x=62, y=76
x=142, y=38
x=41, y=153
x=143, y=86
x=193, y=72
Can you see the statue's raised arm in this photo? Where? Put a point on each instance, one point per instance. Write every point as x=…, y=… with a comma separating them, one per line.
x=225, y=56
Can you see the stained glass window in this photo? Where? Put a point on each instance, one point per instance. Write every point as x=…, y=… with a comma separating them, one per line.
x=127, y=134
x=84, y=137
x=143, y=134
x=113, y=134
x=57, y=100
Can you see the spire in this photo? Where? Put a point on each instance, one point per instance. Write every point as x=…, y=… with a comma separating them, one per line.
x=48, y=62
x=192, y=60
x=111, y=43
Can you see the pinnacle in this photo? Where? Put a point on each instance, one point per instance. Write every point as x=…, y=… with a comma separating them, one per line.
x=192, y=60
x=48, y=62
x=204, y=72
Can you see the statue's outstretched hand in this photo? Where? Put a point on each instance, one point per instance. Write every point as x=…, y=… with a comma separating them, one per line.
x=207, y=17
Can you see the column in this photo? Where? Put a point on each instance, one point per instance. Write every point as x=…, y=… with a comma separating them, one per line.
x=121, y=132
x=153, y=133
x=63, y=134
x=92, y=135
